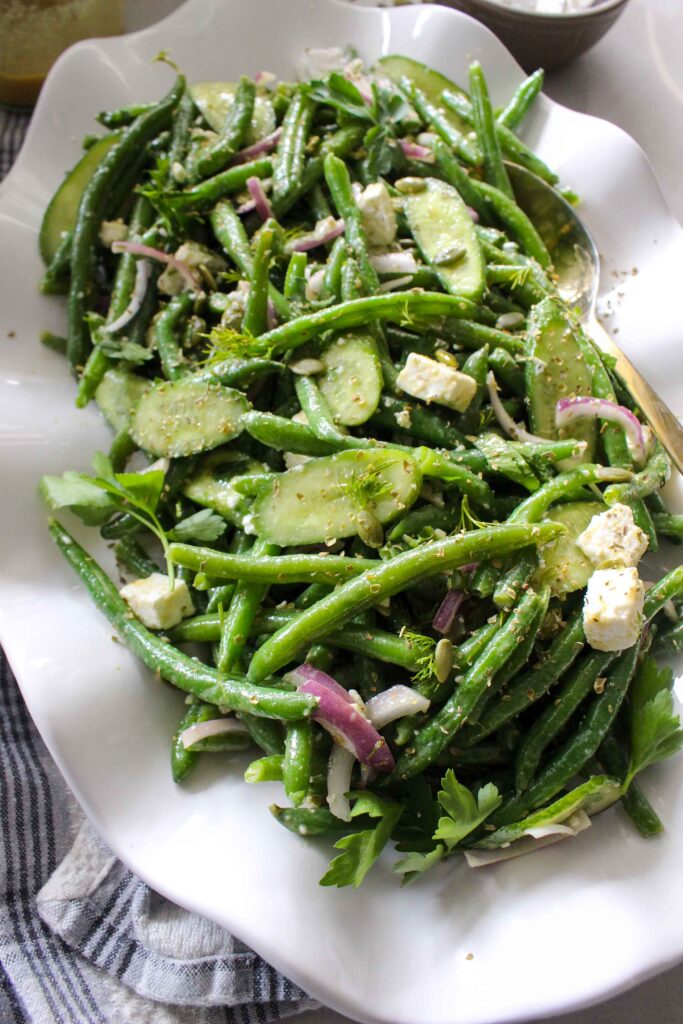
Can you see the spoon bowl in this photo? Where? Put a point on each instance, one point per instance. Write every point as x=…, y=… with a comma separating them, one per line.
x=577, y=265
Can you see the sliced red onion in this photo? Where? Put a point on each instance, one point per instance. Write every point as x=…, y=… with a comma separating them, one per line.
x=246, y=207
x=314, y=285
x=533, y=839
x=473, y=214
x=394, y=263
x=264, y=78
x=396, y=702
x=215, y=727
x=325, y=231
x=414, y=151
x=469, y=567
x=512, y=429
x=570, y=410
x=448, y=609
x=142, y=272
x=339, y=768
x=258, y=194
x=393, y=284
x=137, y=249
x=342, y=718
x=264, y=145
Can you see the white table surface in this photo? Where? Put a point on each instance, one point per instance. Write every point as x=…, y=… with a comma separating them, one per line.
x=634, y=78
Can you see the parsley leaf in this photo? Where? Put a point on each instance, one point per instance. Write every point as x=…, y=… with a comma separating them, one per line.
x=415, y=864
x=77, y=492
x=203, y=526
x=361, y=849
x=338, y=92
x=655, y=729
x=464, y=812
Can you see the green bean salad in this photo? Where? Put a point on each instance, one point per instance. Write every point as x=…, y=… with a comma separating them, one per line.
x=379, y=501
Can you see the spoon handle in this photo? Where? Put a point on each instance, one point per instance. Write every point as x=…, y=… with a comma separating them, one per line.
x=665, y=425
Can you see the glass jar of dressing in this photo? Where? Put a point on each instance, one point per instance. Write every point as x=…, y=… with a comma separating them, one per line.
x=33, y=33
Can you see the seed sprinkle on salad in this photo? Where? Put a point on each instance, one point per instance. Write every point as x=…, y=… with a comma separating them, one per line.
x=365, y=461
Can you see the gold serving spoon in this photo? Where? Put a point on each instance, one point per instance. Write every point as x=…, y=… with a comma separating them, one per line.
x=577, y=264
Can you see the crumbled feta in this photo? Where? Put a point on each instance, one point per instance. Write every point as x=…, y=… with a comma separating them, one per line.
x=193, y=255
x=156, y=605
x=613, y=539
x=432, y=381
x=294, y=459
x=403, y=418
x=113, y=231
x=319, y=62
x=158, y=466
x=613, y=609
x=378, y=214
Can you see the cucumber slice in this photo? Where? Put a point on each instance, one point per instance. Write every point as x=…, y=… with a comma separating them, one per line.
x=440, y=224
x=556, y=369
x=564, y=567
x=183, y=417
x=352, y=380
x=211, y=484
x=118, y=394
x=431, y=82
x=60, y=215
x=214, y=100
x=323, y=499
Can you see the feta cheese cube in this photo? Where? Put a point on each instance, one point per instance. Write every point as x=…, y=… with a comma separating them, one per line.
x=613, y=609
x=431, y=381
x=378, y=214
x=613, y=539
x=113, y=231
x=156, y=605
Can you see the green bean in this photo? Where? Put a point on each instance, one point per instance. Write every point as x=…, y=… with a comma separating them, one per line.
x=516, y=222
x=525, y=646
x=521, y=100
x=319, y=203
x=206, y=194
x=230, y=234
x=668, y=524
x=240, y=372
x=485, y=580
x=551, y=722
x=635, y=803
x=234, y=692
x=475, y=366
x=433, y=464
x=216, y=156
x=340, y=143
x=664, y=590
x=318, y=413
x=359, y=312
x=441, y=123
x=651, y=478
x=512, y=582
x=287, y=435
x=457, y=176
x=339, y=184
x=350, y=281
x=485, y=127
x=90, y=214
x=474, y=335
x=525, y=290
x=292, y=144
x=255, y=320
x=265, y=732
x=384, y=580
x=564, y=485
x=533, y=684
x=182, y=759
x=265, y=769
x=670, y=639
x=134, y=557
x=309, y=821
x=243, y=609
x=304, y=568
x=581, y=746
x=55, y=342
x=431, y=739
x=331, y=284
x=296, y=767
x=220, y=597
x=55, y=280
x=430, y=518
x=180, y=133
x=508, y=143
x=173, y=361
x=124, y=115
x=122, y=447
x=508, y=370
x=295, y=278
x=312, y=593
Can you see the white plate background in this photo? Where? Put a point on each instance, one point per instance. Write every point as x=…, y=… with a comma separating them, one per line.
x=549, y=932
